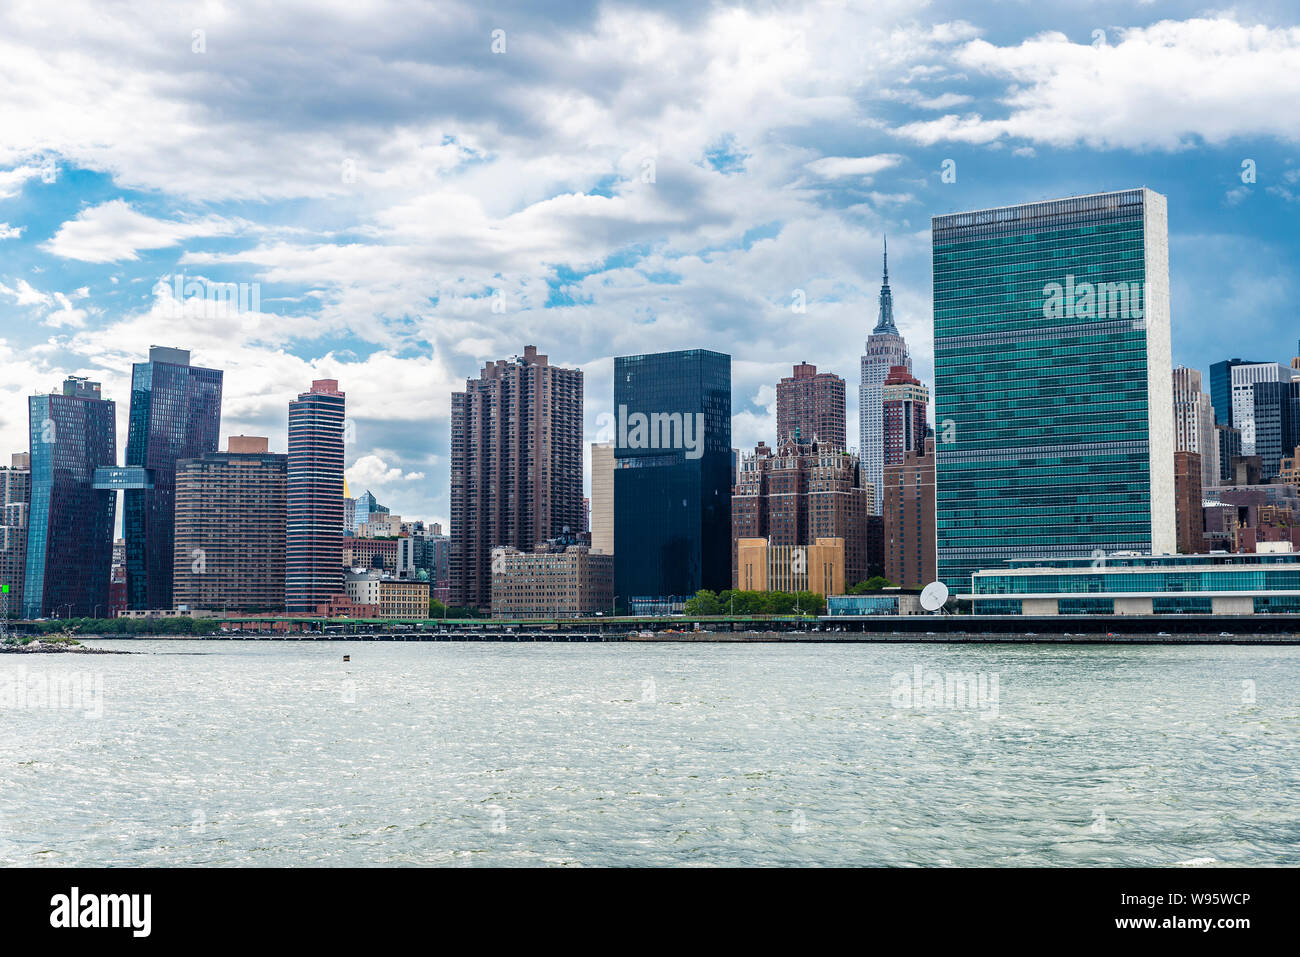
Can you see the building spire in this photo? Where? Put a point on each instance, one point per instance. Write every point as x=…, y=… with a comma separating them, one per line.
x=886, y=321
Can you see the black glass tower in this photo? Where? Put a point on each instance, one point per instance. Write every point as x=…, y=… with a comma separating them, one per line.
x=175, y=414
x=70, y=522
x=1221, y=388
x=672, y=474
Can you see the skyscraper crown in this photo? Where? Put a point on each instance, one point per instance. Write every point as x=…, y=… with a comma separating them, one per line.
x=886, y=321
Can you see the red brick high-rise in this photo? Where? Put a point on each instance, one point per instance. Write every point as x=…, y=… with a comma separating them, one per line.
x=903, y=402
x=910, y=556
x=1189, y=518
x=797, y=493
x=516, y=466
x=810, y=405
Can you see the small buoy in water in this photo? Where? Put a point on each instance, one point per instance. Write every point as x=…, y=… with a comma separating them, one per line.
x=347, y=657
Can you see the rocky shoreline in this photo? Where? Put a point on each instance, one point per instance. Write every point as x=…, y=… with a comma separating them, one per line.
x=38, y=647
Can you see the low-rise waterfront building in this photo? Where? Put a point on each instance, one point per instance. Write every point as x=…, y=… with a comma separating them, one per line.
x=392, y=597
x=560, y=578
x=887, y=601
x=1123, y=584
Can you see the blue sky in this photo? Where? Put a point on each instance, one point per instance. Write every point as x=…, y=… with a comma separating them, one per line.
x=612, y=178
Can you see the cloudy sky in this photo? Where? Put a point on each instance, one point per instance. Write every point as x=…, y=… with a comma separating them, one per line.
x=414, y=188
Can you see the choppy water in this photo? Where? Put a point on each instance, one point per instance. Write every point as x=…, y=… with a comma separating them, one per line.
x=265, y=753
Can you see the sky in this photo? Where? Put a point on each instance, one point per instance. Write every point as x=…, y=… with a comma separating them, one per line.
x=407, y=190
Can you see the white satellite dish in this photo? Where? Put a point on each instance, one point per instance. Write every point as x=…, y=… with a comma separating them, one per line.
x=934, y=596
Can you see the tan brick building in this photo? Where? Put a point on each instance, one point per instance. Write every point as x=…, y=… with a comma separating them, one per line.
x=818, y=567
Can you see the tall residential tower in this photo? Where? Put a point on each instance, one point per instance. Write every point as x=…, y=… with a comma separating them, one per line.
x=313, y=541
x=516, y=466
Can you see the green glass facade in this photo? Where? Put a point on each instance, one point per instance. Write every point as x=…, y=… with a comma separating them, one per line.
x=1053, y=392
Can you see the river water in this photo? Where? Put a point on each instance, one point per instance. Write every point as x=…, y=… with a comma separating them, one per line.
x=474, y=754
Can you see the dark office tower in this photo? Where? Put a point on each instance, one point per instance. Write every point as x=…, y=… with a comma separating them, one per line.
x=230, y=527
x=1221, y=388
x=1276, y=427
x=672, y=471
x=1053, y=382
x=175, y=414
x=903, y=401
x=70, y=522
x=810, y=406
x=15, y=500
x=314, y=499
x=1229, y=440
x=516, y=466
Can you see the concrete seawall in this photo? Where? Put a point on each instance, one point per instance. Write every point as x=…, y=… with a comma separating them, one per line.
x=756, y=637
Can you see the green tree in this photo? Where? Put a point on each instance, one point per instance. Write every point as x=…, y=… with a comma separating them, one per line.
x=704, y=603
x=874, y=583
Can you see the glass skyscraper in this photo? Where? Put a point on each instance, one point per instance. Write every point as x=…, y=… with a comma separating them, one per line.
x=175, y=414
x=70, y=522
x=1053, y=392
x=672, y=474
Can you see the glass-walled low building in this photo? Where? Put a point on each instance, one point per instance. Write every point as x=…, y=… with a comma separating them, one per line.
x=1236, y=584
x=892, y=601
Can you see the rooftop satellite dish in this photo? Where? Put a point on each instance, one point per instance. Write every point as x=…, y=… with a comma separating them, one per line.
x=934, y=596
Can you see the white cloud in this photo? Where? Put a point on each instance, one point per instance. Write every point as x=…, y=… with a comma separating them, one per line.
x=24, y=294
x=836, y=166
x=10, y=232
x=1158, y=87
x=371, y=470
x=114, y=231
x=12, y=180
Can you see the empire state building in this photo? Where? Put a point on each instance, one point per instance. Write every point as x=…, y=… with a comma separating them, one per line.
x=885, y=348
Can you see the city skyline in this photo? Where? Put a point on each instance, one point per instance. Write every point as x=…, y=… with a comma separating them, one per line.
x=396, y=244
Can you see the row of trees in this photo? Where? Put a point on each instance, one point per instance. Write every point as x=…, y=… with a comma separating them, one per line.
x=706, y=603
x=129, y=626
x=438, y=610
